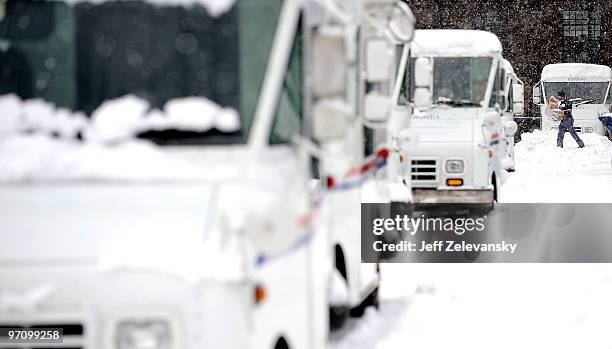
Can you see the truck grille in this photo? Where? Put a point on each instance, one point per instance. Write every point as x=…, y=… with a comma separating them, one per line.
x=73, y=334
x=424, y=170
x=578, y=129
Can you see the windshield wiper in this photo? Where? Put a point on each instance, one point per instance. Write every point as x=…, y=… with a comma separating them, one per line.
x=458, y=102
x=585, y=102
x=187, y=137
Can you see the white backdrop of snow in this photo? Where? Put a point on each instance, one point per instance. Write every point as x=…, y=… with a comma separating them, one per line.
x=486, y=306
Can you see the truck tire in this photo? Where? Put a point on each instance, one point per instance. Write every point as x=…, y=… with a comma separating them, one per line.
x=281, y=344
x=337, y=316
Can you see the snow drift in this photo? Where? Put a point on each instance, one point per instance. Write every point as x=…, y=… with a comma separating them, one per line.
x=39, y=142
x=215, y=8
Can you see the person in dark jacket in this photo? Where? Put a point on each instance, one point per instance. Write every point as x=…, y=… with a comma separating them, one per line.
x=567, y=124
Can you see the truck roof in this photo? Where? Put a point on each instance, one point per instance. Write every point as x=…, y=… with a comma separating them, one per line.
x=567, y=72
x=455, y=43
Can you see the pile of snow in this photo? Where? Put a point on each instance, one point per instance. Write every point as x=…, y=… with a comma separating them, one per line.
x=563, y=72
x=214, y=8
x=38, y=115
x=39, y=157
x=455, y=43
x=39, y=142
x=338, y=289
x=373, y=327
x=125, y=117
x=545, y=173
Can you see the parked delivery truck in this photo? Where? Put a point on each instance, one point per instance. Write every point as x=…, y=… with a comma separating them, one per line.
x=587, y=86
x=460, y=95
x=156, y=165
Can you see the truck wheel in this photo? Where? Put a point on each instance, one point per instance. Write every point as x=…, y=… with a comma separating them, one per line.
x=281, y=344
x=495, y=189
x=370, y=301
x=337, y=316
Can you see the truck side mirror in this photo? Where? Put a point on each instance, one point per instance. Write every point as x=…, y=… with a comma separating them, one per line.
x=537, y=95
x=378, y=65
x=378, y=61
x=329, y=65
x=377, y=107
x=518, y=95
x=330, y=119
x=423, y=81
x=331, y=114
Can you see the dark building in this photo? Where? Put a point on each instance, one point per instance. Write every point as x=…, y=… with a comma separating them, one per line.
x=531, y=31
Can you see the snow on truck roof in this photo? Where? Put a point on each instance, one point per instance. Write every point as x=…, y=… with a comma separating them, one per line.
x=563, y=72
x=455, y=43
x=214, y=7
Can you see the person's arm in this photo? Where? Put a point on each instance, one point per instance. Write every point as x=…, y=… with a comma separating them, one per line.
x=566, y=106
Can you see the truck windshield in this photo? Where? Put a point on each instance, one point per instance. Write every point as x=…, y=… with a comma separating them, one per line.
x=592, y=92
x=461, y=81
x=78, y=56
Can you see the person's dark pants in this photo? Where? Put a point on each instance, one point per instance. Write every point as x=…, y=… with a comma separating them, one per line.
x=567, y=124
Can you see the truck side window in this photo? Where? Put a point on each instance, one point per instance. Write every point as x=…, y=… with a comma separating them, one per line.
x=503, y=98
x=496, y=91
x=404, y=95
x=368, y=144
x=288, y=117
x=510, y=106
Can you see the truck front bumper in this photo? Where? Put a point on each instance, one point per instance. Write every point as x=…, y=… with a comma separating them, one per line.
x=442, y=196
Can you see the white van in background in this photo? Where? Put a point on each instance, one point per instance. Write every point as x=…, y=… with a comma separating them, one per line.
x=174, y=221
x=586, y=85
x=456, y=85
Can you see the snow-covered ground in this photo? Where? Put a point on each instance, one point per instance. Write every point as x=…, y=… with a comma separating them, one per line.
x=504, y=305
x=487, y=306
x=545, y=173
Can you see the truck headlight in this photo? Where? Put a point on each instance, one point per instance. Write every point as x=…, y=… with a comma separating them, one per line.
x=454, y=166
x=153, y=334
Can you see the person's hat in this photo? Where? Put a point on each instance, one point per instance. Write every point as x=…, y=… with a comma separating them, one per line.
x=561, y=93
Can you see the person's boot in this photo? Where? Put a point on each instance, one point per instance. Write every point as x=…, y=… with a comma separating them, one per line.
x=581, y=145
